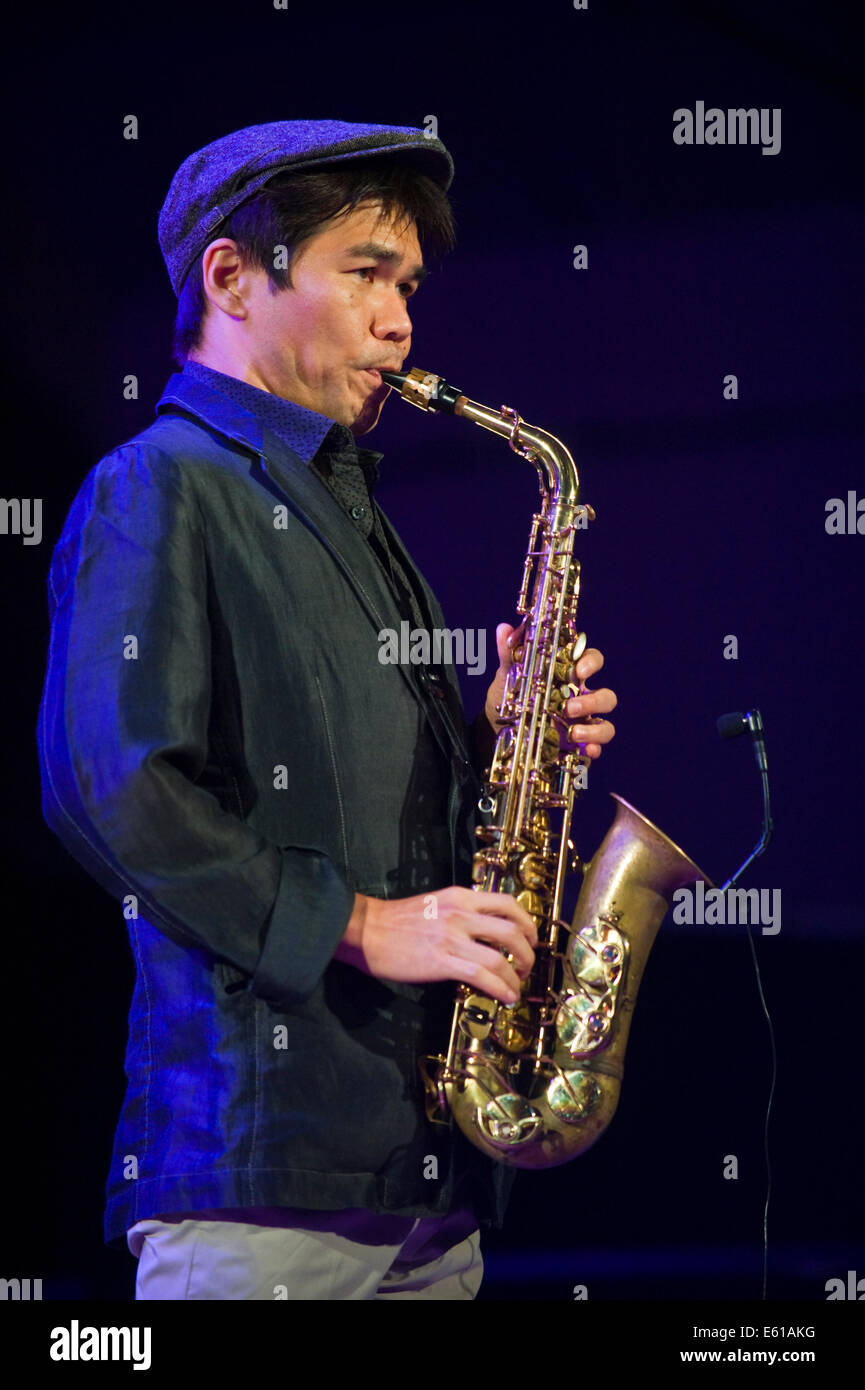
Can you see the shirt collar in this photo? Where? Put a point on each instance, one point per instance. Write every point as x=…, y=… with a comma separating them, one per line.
x=313, y=437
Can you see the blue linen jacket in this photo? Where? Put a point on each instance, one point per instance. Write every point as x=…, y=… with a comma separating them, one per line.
x=222, y=750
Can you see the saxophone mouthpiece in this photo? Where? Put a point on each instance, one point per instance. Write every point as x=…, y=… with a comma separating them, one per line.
x=393, y=378
x=425, y=390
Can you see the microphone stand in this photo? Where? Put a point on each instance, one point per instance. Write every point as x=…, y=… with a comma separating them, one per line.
x=731, y=726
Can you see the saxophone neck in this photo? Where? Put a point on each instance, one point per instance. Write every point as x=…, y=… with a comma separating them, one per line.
x=559, y=477
x=562, y=481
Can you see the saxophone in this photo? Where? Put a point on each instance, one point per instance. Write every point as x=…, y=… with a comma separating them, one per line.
x=535, y=1083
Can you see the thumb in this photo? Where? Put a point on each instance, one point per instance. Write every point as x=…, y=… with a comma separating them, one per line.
x=505, y=654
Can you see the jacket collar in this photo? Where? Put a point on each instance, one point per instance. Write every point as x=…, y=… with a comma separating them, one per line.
x=220, y=412
x=244, y=413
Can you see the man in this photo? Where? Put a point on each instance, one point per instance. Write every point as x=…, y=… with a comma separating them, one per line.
x=223, y=750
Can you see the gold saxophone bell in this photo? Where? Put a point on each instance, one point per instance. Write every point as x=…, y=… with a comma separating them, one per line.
x=534, y=1084
x=541, y=1110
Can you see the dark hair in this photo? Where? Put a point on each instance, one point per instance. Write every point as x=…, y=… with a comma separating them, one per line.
x=292, y=207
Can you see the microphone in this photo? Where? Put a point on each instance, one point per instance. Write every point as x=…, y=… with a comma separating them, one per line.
x=732, y=726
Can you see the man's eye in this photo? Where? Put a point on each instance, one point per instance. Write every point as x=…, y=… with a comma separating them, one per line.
x=407, y=289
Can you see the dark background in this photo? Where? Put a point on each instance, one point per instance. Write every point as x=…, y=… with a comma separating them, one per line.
x=702, y=261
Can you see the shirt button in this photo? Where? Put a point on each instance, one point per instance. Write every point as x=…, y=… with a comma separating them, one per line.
x=358, y=512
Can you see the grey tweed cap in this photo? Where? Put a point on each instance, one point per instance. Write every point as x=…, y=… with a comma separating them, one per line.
x=215, y=180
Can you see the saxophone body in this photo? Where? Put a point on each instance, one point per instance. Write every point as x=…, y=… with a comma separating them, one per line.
x=534, y=1084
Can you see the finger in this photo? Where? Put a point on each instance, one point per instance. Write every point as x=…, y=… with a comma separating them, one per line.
x=589, y=664
x=591, y=750
x=491, y=903
x=593, y=702
x=488, y=979
x=504, y=938
x=594, y=732
x=503, y=922
x=501, y=935
x=492, y=959
x=504, y=905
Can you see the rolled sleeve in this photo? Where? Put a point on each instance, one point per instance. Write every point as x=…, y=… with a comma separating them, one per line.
x=123, y=739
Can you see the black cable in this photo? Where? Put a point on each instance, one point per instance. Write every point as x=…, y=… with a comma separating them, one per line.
x=731, y=726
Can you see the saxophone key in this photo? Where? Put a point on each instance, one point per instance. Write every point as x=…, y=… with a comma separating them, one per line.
x=477, y=1016
x=573, y=1095
x=513, y=1029
x=509, y=1120
x=533, y=904
x=533, y=872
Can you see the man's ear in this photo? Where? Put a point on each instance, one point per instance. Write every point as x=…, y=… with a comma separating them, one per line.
x=222, y=267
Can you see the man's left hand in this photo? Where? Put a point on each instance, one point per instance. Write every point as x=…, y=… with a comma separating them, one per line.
x=586, y=729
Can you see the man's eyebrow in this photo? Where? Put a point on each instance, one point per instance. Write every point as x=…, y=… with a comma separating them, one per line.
x=374, y=251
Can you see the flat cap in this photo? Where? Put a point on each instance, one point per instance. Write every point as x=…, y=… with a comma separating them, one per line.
x=215, y=180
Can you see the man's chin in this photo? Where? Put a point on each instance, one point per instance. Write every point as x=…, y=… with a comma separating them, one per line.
x=370, y=411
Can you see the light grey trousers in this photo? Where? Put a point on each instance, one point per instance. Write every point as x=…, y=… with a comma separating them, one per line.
x=195, y=1259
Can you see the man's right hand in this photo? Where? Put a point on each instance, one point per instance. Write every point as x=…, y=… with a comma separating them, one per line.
x=453, y=934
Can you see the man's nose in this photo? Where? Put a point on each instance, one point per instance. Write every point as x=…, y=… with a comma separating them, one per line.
x=392, y=318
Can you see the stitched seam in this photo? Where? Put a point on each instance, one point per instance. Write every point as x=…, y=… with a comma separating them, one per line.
x=331, y=751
